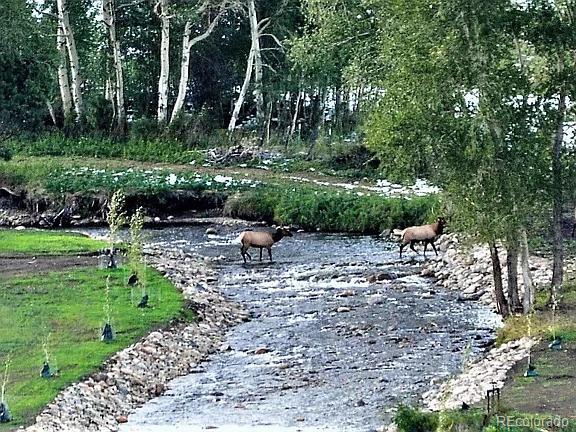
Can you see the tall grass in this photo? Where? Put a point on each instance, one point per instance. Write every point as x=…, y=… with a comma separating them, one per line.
x=139, y=149
x=329, y=210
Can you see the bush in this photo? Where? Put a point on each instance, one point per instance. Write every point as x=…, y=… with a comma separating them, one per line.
x=250, y=206
x=145, y=129
x=353, y=157
x=100, y=115
x=147, y=150
x=413, y=420
x=5, y=154
x=329, y=210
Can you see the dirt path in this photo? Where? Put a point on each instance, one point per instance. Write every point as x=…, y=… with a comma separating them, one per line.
x=28, y=265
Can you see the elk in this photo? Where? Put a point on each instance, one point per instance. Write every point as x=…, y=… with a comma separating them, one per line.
x=261, y=240
x=423, y=233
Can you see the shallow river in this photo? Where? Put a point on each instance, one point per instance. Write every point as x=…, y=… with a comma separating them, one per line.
x=339, y=353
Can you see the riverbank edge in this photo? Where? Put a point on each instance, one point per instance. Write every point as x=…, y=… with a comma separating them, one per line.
x=467, y=269
x=140, y=372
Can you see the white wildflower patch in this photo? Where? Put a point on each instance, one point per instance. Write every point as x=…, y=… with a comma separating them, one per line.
x=381, y=187
x=87, y=178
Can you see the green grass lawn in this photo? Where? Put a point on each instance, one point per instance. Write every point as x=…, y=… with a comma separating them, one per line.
x=36, y=242
x=69, y=306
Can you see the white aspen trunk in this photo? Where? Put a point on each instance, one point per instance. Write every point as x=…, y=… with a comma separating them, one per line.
x=268, y=122
x=51, y=111
x=187, y=45
x=63, y=81
x=243, y=91
x=528, y=300
x=296, y=111
x=109, y=14
x=184, y=72
x=76, y=81
x=162, y=8
x=108, y=95
x=258, y=91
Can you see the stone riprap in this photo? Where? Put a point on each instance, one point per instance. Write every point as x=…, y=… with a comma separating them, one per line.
x=468, y=269
x=141, y=371
x=476, y=379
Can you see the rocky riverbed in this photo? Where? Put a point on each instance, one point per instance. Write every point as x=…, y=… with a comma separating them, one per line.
x=342, y=332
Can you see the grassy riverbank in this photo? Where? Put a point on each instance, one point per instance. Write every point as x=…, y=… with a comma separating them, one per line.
x=46, y=243
x=60, y=314
x=308, y=200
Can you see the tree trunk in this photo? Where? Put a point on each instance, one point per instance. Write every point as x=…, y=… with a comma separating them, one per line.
x=512, y=268
x=162, y=9
x=109, y=15
x=76, y=82
x=528, y=300
x=296, y=112
x=243, y=91
x=557, y=185
x=63, y=80
x=258, y=88
x=184, y=71
x=268, y=121
x=51, y=112
x=187, y=45
x=501, y=303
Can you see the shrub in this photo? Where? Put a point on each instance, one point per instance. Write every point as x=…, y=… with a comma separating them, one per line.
x=251, y=206
x=330, y=210
x=145, y=128
x=5, y=154
x=148, y=150
x=413, y=420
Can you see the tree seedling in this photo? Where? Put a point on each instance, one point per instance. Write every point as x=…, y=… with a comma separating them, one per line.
x=107, y=333
x=115, y=218
x=530, y=369
x=46, y=372
x=556, y=344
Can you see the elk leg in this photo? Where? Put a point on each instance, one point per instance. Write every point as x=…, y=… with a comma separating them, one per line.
x=270, y=253
x=260, y=254
x=434, y=247
x=412, y=243
x=401, y=247
x=425, y=247
x=244, y=252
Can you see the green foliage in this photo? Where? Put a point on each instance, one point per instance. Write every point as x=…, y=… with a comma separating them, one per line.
x=543, y=323
x=251, y=205
x=413, y=420
x=330, y=210
x=147, y=149
x=5, y=154
x=115, y=217
x=69, y=305
x=24, y=68
x=31, y=242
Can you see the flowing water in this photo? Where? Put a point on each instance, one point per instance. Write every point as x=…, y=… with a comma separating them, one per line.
x=335, y=352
